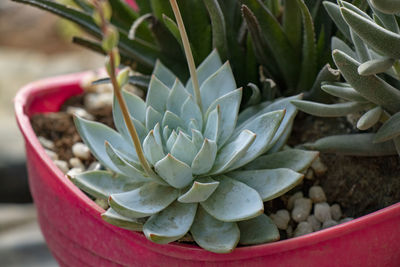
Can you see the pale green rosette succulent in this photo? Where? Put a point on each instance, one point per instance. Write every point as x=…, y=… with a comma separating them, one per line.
x=213, y=167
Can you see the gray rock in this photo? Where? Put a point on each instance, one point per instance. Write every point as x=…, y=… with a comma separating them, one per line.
x=53, y=155
x=80, y=112
x=319, y=167
x=347, y=219
x=329, y=223
x=322, y=212
x=309, y=174
x=336, y=212
x=291, y=200
x=303, y=228
x=76, y=163
x=315, y=224
x=317, y=194
x=95, y=101
x=301, y=210
x=289, y=231
x=62, y=165
x=80, y=150
x=46, y=143
x=281, y=218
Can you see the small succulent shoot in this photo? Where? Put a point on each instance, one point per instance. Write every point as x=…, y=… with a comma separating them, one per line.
x=206, y=168
x=367, y=88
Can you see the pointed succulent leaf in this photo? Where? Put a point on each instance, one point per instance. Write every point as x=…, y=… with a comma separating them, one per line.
x=338, y=44
x=157, y=94
x=152, y=149
x=144, y=201
x=166, y=133
x=360, y=47
x=295, y=159
x=197, y=138
x=353, y=144
x=329, y=110
x=101, y=184
x=176, y=97
x=251, y=112
x=386, y=6
x=201, y=190
x=183, y=149
x=233, y=201
x=172, y=121
x=265, y=127
x=218, y=84
x=171, y=140
x=258, y=230
x=355, y=9
x=175, y=172
x=112, y=217
x=209, y=66
x=369, y=118
x=233, y=151
x=171, y=223
x=380, y=39
x=343, y=90
x=387, y=18
x=131, y=168
x=334, y=12
x=375, y=66
x=269, y=183
x=214, y=235
x=371, y=87
x=229, y=106
x=326, y=74
x=94, y=134
x=191, y=111
x=213, y=125
x=389, y=130
x=204, y=160
x=136, y=107
x=164, y=74
x=153, y=117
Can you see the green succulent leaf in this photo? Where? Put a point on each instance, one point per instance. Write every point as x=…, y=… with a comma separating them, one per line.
x=295, y=159
x=329, y=110
x=175, y=172
x=152, y=149
x=268, y=183
x=386, y=6
x=144, y=201
x=334, y=12
x=233, y=201
x=171, y=223
x=113, y=217
x=343, y=90
x=375, y=66
x=163, y=74
x=184, y=149
x=102, y=184
x=200, y=191
x=204, y=160
x=258, y=230
x=214, y=235
x=213, y=127
x=360, y=47
x=172, y=121
x=191, y=111
x=157, y=94
x=369, y=118
x=387, y=19
x=153, y=117
x=389, y=130
x=176, y=97
x=338, y=44
x=326, y=74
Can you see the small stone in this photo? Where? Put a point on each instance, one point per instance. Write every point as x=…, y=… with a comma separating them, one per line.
x=80, y=150
x=315, y=224
x=94, y=166
x=74, y=171
x=53, y=155
x=76, y=163
x=347, y=219
x=62, y=165
x=322, y=212
x=336, y=212
x=317, y=194
x=303, y=228
x=291, y=200
x=96, y=101
x=319, y=167
x=329, y=223
x=281, y=218
x=309, y=174
x=86, y=82
x=301, y=210
x=102, y=203
x=46, y=143
x=80, y=112
x=289, y=231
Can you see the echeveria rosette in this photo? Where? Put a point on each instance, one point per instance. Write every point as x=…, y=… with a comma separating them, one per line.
x=213, y=170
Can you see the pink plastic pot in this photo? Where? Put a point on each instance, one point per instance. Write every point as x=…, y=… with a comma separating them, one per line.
x=77, y=236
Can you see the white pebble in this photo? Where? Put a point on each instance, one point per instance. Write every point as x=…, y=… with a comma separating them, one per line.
x=322, y=212
x=329, y=223
x=289, y=231
x=102, y=203
x=281, y=218
x=62, y=165
x=53, y=155
x=315, y=224
x=76, y=163
x=291, y=200
x=80, y=112
x=80, y=150
x=336, y=212
x=317, y=194
x=303, y=228
x=309, y=174
x=74, y=171
x=94, y=166
x=46, y=143
x=319, y=167
x=96, y=101
x=301, y=210
x=347, y=219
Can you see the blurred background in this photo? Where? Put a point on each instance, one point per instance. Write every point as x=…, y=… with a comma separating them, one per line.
x=33, y=45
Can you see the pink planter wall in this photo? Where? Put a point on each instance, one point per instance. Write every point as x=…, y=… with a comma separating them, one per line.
x=77, y=236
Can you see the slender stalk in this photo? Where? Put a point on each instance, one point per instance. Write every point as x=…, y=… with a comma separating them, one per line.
x=122, y=103
x=188, y=52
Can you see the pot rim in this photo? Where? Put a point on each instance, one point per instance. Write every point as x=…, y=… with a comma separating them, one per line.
x=41, y=88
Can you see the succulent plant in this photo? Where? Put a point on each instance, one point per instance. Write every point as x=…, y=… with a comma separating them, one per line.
x=185, y=160
x=246, y=32
x=372, y=73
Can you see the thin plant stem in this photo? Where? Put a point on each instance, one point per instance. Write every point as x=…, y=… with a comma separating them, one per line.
x=188, y=52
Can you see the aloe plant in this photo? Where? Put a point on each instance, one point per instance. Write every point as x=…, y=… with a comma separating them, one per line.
x=185, y=160
x=372, y=72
